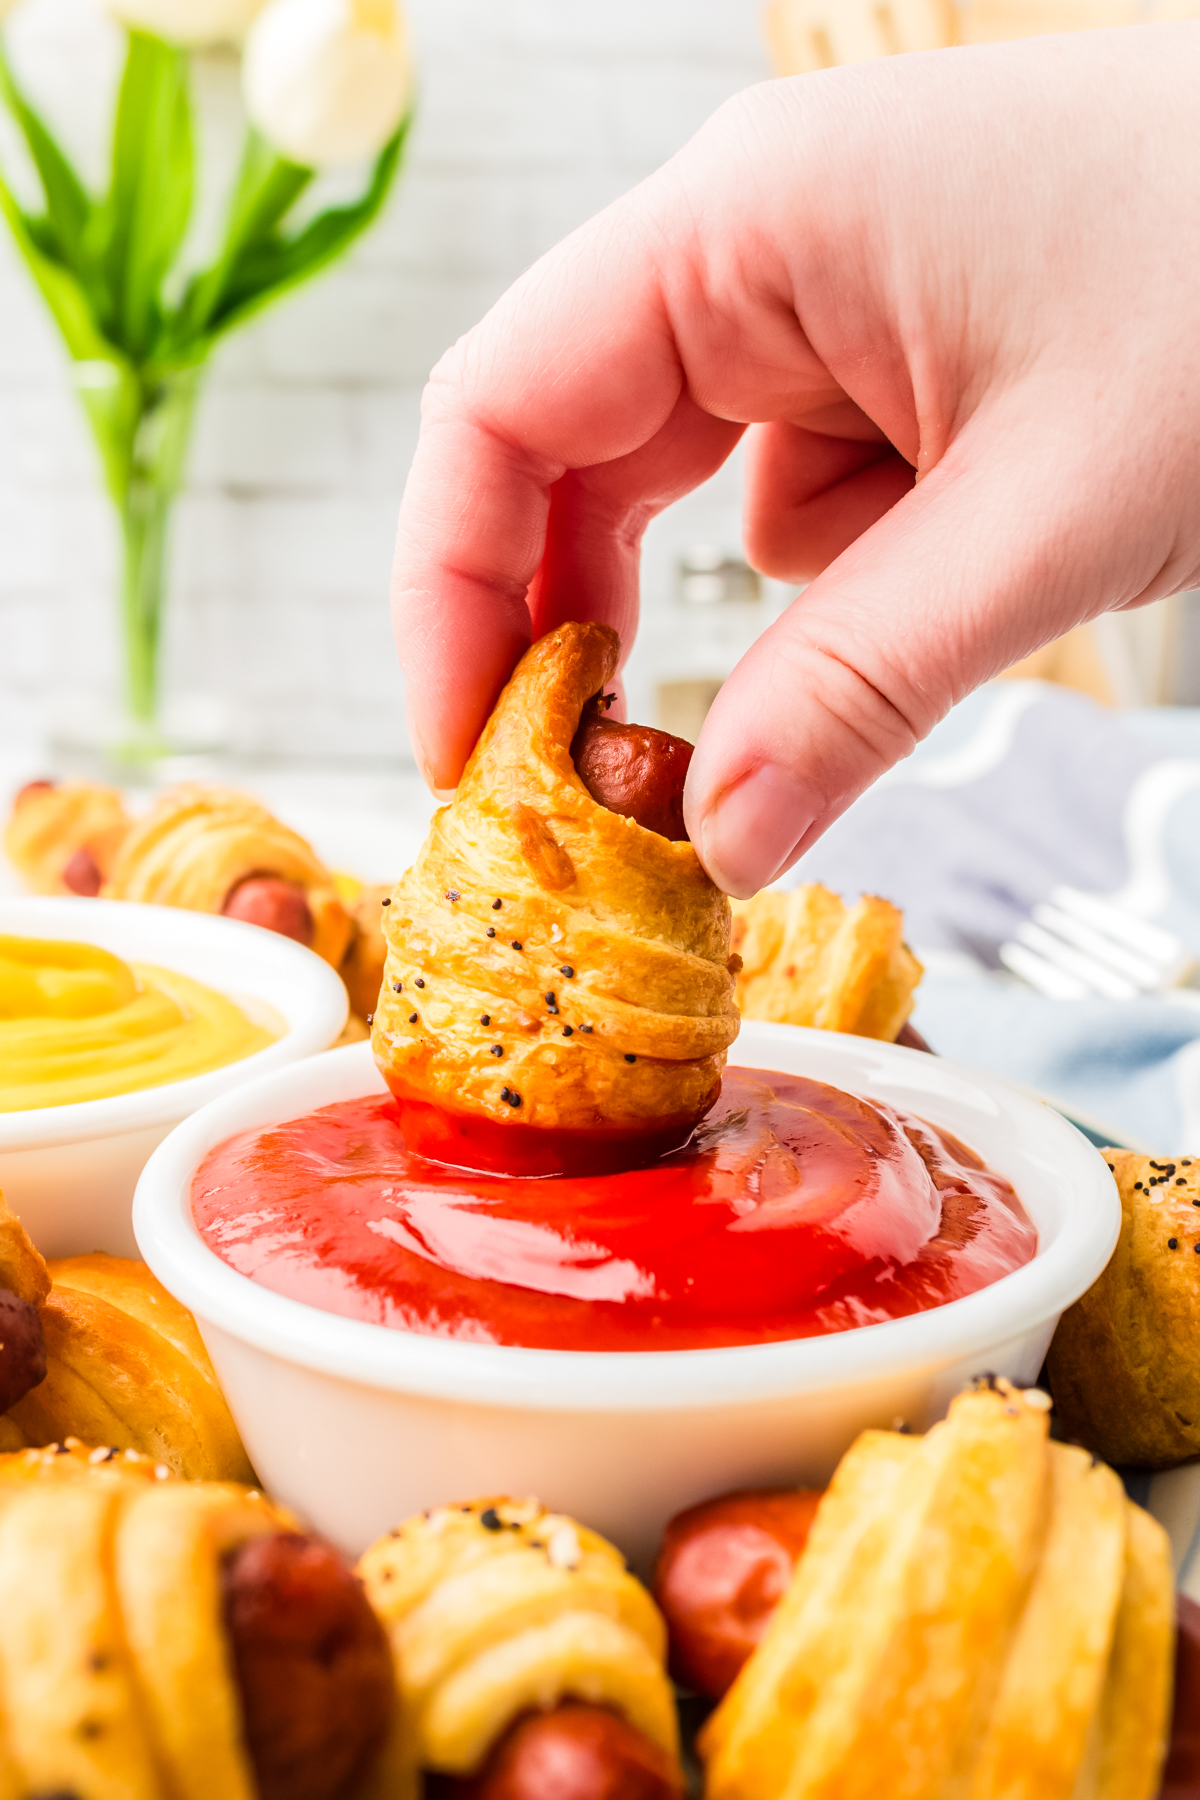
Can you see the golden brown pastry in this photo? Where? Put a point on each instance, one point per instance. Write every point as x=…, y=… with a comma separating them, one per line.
x=62, y=837
x=498, y=1609
x=169, y=1640
x=551, y=964
x=213, y=850
x=1124, y=1364
x=24, y=1285
x=125, y=1366
x=978, y=1612
x=809, y=960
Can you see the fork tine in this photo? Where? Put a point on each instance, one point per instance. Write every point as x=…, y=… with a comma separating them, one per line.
x=1044, y=976
x=1094, y=975
x=1106, y=950
x=1148, y=940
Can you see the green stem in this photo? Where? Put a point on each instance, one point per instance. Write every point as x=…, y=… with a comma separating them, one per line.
x=144, y=501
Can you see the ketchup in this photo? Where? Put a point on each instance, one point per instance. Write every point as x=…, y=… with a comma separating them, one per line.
x=794, y=1210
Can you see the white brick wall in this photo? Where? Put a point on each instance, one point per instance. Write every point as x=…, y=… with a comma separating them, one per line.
x=534, y=113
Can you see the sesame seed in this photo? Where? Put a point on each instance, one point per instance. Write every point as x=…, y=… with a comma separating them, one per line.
x=420, y=981
x=1172, y=1243
x=569, y=1031
x=514, y=1099
x=515, y=944
x=585, y=1028
x=491, y=931
x=370, y=1018
x=551, y=1003
x=496, y=905
x=489, y=1518
x=497, y=1050
x=629, y=1058
x=1181, y=1181
x=385, y=903
x=568, y=971
x=505, y=1092
x=485, y=1018
x=397, y=987
x=452, y=894
x=413, y=1017
x=1137, y=1187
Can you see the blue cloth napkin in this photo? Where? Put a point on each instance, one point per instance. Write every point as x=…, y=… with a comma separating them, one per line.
x=1025, y=785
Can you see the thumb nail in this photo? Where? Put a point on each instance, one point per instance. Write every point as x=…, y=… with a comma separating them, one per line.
x=750, y=835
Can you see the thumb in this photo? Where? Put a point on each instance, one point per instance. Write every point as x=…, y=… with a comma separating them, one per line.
x=975, y=568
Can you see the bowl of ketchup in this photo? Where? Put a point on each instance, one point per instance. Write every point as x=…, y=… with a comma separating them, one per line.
x=853, y=1233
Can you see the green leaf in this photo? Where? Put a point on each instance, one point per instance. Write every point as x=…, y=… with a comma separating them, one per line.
x=267, y=187
x=107, y=385
x=264, y=263
x=144, y=220
x=68, y=207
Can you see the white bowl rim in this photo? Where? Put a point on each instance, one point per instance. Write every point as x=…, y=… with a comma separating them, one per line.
x=381, y=1357
x=322, y=1012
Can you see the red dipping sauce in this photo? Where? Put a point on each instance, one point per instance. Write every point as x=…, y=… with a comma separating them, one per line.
x=794, y=1210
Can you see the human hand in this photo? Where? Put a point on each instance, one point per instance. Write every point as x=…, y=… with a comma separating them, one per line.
x=981, y=266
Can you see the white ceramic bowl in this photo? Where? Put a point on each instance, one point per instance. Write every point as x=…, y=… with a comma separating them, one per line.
x=70, y=1171
x=357, y=1426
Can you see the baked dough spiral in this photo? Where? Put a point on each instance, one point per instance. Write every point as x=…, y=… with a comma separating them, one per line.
x=551, y=964
x=501, y=1608
x=62, y=837
x=125, y=1366
x=198, y=843
x=979, y=1608
x=115, y=1676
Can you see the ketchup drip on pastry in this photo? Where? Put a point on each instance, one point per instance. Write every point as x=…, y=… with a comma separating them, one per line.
x=633, y=769
x=313, y=1666
x=557, y=996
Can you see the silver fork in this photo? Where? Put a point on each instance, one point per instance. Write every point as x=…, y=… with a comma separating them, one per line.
x=1075, y=945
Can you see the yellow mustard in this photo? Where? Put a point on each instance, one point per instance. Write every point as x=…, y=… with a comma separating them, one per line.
x=77, y=1023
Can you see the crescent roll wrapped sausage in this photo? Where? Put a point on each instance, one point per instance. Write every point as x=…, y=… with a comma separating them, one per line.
x=211, y=849
x=557, y=985
x=808, y=959
x=125, y=1366
x=980, y=1609
x=168, y=1640
x=500, y=1609
x=62, y=837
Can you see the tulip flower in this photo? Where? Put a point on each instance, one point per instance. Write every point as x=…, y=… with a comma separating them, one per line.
x=327, y=81
x=191, y=22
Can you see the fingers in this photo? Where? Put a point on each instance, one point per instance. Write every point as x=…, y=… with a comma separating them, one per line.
x=809, y=495
x=969, y=571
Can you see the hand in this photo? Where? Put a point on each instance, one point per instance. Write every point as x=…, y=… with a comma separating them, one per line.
x=957, y=296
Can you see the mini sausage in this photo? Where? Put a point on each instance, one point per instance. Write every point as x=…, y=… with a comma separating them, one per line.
x=22, y=1349
x=32, y=787
x=723, y=1568
x=1182, y=1778
x=633, y=769
x=273, y=903
x=313, y=1666
x=81, y=874
x=576, y=1752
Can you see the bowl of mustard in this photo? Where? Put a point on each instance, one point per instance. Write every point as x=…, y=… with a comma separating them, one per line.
x=117, y=1021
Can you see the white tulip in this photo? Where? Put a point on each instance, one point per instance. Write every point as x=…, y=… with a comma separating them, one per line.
x=327, y=81
x=191, y=22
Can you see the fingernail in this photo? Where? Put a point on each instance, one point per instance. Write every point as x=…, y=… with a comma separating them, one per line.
x=750, y=835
